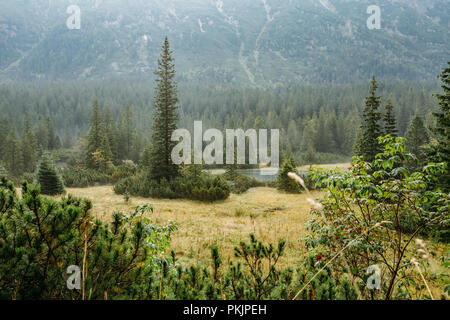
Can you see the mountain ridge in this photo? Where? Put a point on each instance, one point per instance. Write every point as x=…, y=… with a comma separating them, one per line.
x=257, y=43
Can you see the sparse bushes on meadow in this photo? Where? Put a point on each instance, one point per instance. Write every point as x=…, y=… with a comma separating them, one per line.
x=192, y=184
x=75, y=177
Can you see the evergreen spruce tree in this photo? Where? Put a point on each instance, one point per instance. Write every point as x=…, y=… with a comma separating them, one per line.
x=51, y=183
x=358, y=146
x=146, y=157
x=404, y=119
x=336, y=136
x=68, y=140
x=12, y=156
x=4, y=131
x=53, y=141
x=3, y=172
x=29, y=146
x=416, y=138
x=350, y=126
x=371, y=129
x=325, y=140
x=440, y=150
x=165, y=118
x=127, y=133
x=42, y=133
x=111, y=134
x=98, y=150
x=284, y=183
x=308, y=145
x=390, y=123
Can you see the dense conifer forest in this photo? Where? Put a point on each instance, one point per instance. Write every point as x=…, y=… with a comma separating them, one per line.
x=96, y=204
x=319, y=124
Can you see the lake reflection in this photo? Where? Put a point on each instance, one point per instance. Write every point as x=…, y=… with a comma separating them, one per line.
x=260, y=174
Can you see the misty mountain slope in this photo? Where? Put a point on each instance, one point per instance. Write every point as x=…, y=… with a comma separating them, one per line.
x=258, y=42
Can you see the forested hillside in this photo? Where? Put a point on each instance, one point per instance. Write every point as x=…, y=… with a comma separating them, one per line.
x=113, y=186
x=257, y=43
x=321, y=119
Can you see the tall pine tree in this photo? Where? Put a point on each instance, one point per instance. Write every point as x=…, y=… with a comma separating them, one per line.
x=52, y=138
x=12, y=156
x=98, y=150
x=416, y=138
x=29, y=146
x=371, y=129
x=164, y=119
x=390, y=123
x=127, y=134
x=4, y=131
x=111, y=134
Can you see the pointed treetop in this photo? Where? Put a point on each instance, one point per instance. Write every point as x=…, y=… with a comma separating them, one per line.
x=373, y=86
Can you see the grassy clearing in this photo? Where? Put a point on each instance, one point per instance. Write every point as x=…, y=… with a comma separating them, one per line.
x=269, y=214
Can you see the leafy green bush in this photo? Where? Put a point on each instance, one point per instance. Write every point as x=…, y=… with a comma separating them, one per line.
x=371, y=214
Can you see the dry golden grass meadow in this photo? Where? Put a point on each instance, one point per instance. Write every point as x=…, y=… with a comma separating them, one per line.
x=269, y=214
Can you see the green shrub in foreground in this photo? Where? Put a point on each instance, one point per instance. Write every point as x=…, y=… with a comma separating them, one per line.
x=375, y=210
x=40, y=238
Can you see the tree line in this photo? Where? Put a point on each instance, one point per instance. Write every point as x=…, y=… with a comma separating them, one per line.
x=307, y=115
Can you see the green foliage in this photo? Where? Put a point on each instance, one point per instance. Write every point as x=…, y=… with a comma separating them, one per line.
x=3, y=172
x=82, y=178
x=49, y=180
x=371, y=129
x=40, y=238
x=98, y=149
x=339, y=53
x=29, y=147
x=240, y=183
x=298, y=110
x=284, y=183
x=372, y=212
x=75, y=177
x=126, y=135
x=254, y=276
x=254, y=255
x=439, y=151
x=193, y=184
x=12, y=156
x=390, y=123
x=164, y=119
x=416, y=138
